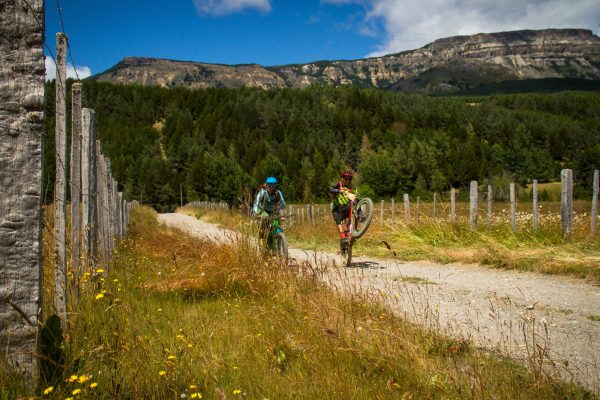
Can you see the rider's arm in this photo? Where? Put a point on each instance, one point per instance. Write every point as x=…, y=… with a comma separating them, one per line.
x=282, y=205
x=257, y=201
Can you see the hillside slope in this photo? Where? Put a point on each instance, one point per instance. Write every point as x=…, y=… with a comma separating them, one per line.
x=450, y=65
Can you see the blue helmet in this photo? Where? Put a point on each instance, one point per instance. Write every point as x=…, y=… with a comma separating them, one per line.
x=271, y=180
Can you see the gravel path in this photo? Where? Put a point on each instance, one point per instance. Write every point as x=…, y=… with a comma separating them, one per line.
x=546, y=321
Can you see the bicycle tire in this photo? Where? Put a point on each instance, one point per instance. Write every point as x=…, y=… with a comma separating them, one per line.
x=361, y=223
x=348, y=260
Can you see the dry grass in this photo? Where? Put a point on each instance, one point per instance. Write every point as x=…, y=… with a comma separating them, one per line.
x=178, y=316
x=425, y=238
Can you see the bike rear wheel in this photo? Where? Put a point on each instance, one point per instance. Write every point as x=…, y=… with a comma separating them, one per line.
x=348, y=260
x=344, y=255
x=361, y=217
x=281, y=246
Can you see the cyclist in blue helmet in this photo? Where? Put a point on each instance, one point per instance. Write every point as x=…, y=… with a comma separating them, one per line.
x=268, y=201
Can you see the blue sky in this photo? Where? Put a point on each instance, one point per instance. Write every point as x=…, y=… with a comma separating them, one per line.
x=274, y=32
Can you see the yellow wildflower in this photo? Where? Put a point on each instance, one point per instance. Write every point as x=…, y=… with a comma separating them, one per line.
x=69, y=398
x=180, y=337
x=76, y=392
x=99, y=270
x=162, y=373
x=99, y=296
x=237, y=391
x=193, y=386
x=73, y=378
x=84, y=378
x=196, y=395
x=171, y=358
x=93, y=385
x=190, y=345
x=48, y=390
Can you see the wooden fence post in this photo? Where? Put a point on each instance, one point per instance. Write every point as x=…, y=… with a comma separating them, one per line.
x=595, y=185
x=534, y=193
x=434, y=204
x=76, y=183
x=453, y=205
x=566, y=202
x=393, y=209
x=474, y=196
x=513, y=207
x=119, y=214
x=417, y=209
x=490, y=198
x=22, y=130
x=102, y=198
x=88, y=188
x=60, y=188
x=381, y=216
x=406, y=208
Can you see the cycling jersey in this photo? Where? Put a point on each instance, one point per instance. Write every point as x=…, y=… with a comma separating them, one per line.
x=341, y=198
x=268, y=202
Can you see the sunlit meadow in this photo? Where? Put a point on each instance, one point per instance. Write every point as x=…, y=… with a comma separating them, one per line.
x=177, y=317
x=417, y=235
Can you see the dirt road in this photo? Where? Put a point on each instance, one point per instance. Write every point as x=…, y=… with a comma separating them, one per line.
x=549, y=322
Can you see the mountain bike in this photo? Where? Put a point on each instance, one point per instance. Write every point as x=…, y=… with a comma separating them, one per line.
x=271, y=235
x=356, y=225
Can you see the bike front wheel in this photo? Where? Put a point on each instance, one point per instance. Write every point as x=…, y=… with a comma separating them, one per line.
x=281, y=246
x=361, y=217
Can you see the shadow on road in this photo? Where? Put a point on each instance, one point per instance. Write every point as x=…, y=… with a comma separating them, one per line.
x=366, y=265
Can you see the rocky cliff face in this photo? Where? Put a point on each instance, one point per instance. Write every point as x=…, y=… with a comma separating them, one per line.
x=447, y=65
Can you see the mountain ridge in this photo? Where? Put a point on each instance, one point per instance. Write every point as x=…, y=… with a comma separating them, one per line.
x=447, y=65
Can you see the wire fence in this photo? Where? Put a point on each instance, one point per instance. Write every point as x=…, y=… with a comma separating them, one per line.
x=564, y=216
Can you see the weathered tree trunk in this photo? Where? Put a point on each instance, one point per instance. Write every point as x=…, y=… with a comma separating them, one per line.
x=76, y=183
x=60, y=188
x=21, y=156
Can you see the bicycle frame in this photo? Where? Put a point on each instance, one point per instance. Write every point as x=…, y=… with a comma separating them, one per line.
x=272, y=227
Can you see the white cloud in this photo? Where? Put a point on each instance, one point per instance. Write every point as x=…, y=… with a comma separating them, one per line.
x=410, y=24
x=224, y=7
x=72, y=72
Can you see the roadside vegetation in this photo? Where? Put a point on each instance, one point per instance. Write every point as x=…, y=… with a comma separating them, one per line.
x=179, y=317
x=441, y=241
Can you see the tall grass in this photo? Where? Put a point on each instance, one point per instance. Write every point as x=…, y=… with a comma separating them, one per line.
x=422, y=237
x=180, y=317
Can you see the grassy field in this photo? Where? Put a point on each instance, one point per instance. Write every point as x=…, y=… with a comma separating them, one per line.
x=424, y=238
x=181, y=318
